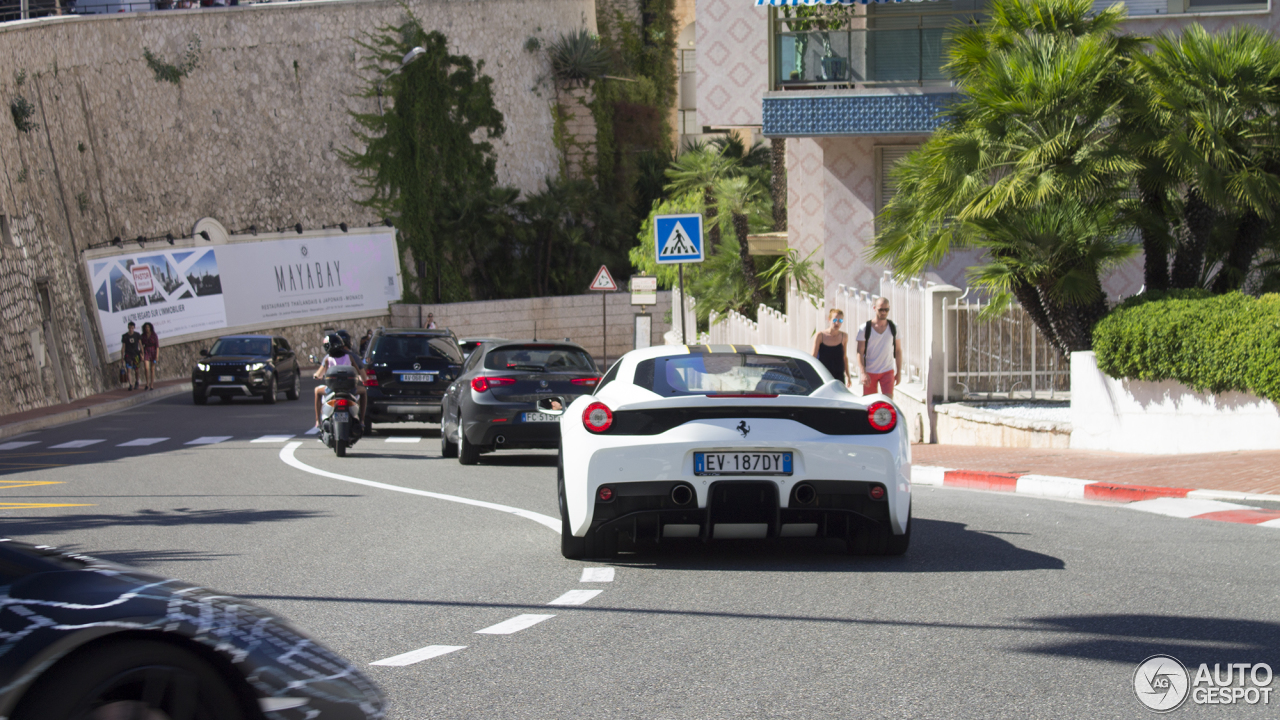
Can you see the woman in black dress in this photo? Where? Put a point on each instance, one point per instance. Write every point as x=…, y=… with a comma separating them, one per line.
x=831, y=347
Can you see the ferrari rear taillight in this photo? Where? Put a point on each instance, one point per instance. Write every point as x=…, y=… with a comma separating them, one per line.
x=589, y=382
x=482, y=383
x=605, y=494
x=882, y=416
x=597, y=417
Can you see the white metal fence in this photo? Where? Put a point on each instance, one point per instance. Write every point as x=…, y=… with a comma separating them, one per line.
x=971, y=358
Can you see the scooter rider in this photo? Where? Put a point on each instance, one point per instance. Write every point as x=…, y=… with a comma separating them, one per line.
x=337, y=353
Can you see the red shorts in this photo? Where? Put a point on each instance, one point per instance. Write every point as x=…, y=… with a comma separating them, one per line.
x=884, y=381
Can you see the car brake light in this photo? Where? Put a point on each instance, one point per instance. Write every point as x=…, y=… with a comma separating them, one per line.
x=482, y=383
x=589, y=382
x=877, y=492
x=597, y=417
x=371, y=381
x=882, y=416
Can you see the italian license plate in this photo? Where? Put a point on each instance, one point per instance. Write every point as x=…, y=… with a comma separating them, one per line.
x=226, y=378
x=739, y=463
x=418, y=377
x=341, y=417
x=539, y=417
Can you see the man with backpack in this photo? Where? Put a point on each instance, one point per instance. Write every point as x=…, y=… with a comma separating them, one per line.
x=879, y=352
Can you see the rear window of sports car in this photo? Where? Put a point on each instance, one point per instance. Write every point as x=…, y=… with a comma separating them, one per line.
x=727, y=374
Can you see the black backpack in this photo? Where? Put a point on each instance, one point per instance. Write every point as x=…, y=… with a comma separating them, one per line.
x=866, y=339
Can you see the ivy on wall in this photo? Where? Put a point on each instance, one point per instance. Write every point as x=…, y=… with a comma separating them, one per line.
x=166, y=72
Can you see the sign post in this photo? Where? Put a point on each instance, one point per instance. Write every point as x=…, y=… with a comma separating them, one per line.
x=678, y=240
x=604, y=284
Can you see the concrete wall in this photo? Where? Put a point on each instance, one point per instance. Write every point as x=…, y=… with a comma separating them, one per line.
x=577, y=317
x=251, y=136
x=1164, y=418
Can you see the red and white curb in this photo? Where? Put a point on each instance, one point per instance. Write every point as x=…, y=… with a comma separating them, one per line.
x=1174, y=502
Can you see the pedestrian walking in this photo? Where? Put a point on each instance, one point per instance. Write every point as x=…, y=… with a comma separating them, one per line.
x=831, y=347
x=879, y=352
x=430, y=324
x=364, y=341
x=150, y=353
x=131, y=354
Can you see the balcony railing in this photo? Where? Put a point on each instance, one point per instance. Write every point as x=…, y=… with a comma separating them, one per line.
x=898, y=49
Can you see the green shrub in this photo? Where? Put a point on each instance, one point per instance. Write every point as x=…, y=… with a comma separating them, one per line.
x=1212, y=343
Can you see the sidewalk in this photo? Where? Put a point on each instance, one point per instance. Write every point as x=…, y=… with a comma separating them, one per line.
x=100, y=404
x=1251, y=472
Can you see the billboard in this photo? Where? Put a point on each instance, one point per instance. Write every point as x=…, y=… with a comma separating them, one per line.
x=190, y=293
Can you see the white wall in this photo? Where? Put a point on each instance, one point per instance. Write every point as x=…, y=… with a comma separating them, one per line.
x=1164, y=418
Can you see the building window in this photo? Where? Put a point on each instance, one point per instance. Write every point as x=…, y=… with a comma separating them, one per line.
x=886, y=157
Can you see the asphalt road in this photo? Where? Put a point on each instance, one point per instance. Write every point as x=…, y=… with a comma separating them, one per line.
x=1005, y=606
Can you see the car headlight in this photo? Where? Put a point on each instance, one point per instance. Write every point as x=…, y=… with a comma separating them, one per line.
x=255, y=366
x=202, y=367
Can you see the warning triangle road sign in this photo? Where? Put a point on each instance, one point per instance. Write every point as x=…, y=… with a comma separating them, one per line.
x=603, y=281
x=678, y=243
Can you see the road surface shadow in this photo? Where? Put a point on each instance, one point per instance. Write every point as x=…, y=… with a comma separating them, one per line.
x=1192, y=640
x=517, y=458
x=176, y=517
x=936, y=546
x=144, y=558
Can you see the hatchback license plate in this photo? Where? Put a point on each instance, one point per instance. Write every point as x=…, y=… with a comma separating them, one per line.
x=540, y=417
x=418, y=377
x=226, y=378
x=734, y=463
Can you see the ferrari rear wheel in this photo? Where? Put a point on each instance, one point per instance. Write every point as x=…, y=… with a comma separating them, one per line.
x=574, y=548
x=131, y=678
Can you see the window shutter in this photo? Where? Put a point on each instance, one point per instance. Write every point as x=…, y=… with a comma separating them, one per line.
x=886, y=157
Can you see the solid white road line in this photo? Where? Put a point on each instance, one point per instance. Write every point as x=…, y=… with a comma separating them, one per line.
x=286, y=454
x=312, y=431
x=142, y=442
x=1182, y=507
x=597, y=574
x=404, y=439
x=1270, y=523
x=209, y=440
x=417, y=656
x=16, y=445
x=76, y=444
x=575, y=597
x=514, y=625
x=272, y=438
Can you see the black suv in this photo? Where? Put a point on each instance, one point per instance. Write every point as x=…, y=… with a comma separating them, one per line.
x=408, y=371
x=246, y=365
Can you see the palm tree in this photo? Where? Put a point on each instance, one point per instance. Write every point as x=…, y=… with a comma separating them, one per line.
x=738, y=195
x=698, y=171
x=1211, y=103
x=1029, y=143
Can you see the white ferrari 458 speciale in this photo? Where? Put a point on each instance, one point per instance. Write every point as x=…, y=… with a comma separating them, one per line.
x=718, y=442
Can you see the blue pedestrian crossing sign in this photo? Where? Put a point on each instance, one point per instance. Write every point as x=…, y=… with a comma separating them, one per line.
x=678, y=238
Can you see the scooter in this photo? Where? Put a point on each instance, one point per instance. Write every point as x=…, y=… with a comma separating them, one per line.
x=340, y=425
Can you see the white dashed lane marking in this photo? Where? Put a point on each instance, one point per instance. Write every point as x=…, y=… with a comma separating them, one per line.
x=514, y=625
x=417, y=656
x=142, y=442
x=575, y=597
x=16, y=445
x=403, y=439
x=272, y=439
x=75, y=444
x=209, y=440
x=597, y=574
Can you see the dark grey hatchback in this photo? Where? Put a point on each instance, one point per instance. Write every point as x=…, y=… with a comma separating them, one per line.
x=493, y=405
x=408, y=371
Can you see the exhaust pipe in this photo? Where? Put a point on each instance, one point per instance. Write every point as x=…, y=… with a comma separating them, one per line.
x=681, y=494
x=805, y=494
x=501, y=440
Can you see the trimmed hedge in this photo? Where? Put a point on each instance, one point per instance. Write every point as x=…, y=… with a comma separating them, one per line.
x=1212, y=343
